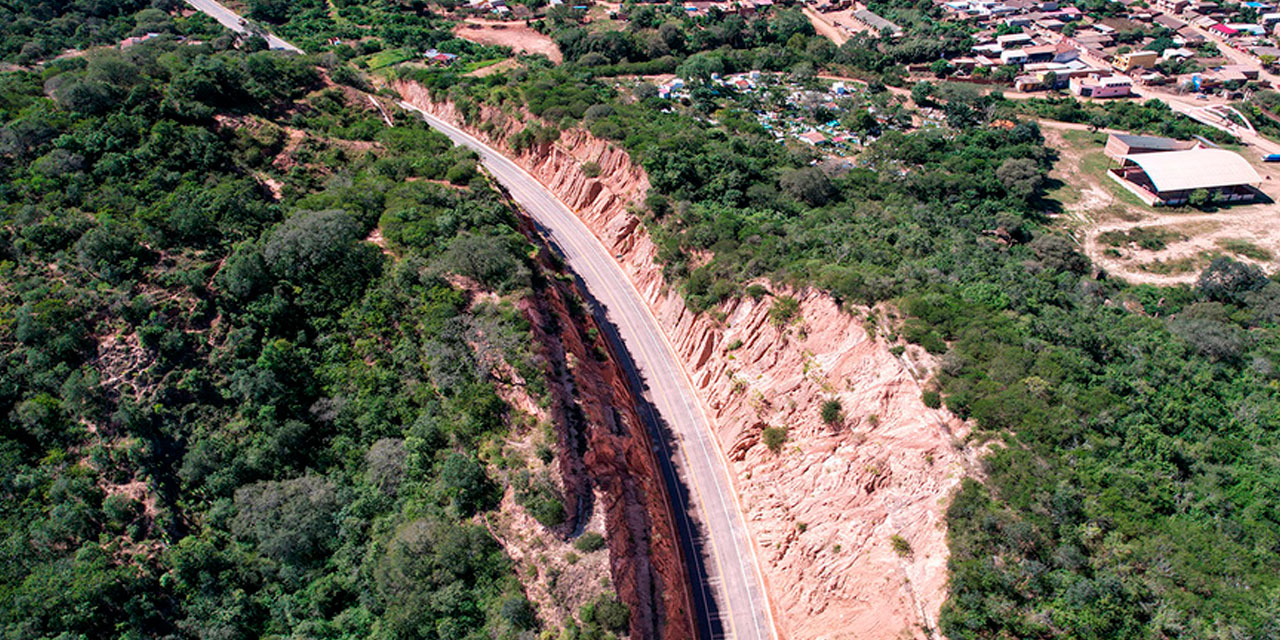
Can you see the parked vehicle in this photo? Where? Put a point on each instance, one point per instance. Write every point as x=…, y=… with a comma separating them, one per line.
x=1271, y=157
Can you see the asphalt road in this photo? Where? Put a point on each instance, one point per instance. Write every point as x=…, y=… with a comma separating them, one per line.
x=734, y=582
x=1190, y=107
x=231, y=20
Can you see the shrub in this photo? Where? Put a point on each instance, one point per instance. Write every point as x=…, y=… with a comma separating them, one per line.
x=462, y=172
x=608, y=613
x=545, y=454
x=343, y=74
x=1225, y=280
x=549, y=511
x=292, y=521
x=597, y=112
x=808, y=185
x=933, y=343
x=774, y=438
x=1199, y=198
x=900, y=545
x=832, y=412
x=590, y=169
x=465, y=484
x=1057, y=252
x=112, y=251
x=519, y=613
x=785, y=310
x=1207, y=328
x=322, y=254
x=493, y=261
x=541, y=499
x=589, y=542
x=385, y=464
x=1022, y=177
x=931, y=399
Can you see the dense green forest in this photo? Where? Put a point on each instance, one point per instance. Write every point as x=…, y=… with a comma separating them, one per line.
x=1131, y=491
x=350, y=28
x=227, y=414
x=1150, y=117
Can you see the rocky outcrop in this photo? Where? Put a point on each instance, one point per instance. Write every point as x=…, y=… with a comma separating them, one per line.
x=847, y=519
x=606, y=462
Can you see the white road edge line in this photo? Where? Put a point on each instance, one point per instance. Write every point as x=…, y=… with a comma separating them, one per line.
x=632, y=301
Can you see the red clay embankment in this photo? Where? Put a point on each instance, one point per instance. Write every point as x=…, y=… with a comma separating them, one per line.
x=822, y=511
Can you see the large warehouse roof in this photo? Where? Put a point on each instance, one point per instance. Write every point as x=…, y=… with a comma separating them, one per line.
x=1195, y=169
x=1152, y=142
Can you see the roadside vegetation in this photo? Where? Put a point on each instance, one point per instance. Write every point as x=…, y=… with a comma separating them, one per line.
x=227, y=413
x=1122, y=433
x=1151, y=117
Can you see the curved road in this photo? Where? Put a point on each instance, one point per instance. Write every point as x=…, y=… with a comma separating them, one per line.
x=233, y=21
x=732, y=567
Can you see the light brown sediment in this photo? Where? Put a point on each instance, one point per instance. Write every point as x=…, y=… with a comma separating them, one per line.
x=823, y=510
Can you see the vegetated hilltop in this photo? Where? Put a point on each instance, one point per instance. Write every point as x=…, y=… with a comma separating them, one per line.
x=1128, y=488
x=229, y=413
x=1131, y=489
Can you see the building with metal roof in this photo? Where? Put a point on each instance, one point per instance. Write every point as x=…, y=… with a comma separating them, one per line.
x=1120, y=145
x=1169, y=177
x=875, y=22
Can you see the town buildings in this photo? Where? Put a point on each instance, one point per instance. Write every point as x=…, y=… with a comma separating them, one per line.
x=1099, y=86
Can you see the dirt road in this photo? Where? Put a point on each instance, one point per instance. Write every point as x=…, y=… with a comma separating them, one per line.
x=824, y=28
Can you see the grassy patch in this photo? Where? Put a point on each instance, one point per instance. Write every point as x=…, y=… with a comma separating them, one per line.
x=386, y=58
x=479, y=64
x=1084, y=139
x=900, y=545
x=589, y=542
x=785, y=310
x=1062, y=191
x=1179, y=266
x=1095, y=165
x=1245, y=248
x=1149, y=238
x=1117, y=211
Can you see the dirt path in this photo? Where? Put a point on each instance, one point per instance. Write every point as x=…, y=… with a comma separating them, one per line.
x=825, y=28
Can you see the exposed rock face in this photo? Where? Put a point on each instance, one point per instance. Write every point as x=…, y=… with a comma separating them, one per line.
x=823, y=511
x=607, y=464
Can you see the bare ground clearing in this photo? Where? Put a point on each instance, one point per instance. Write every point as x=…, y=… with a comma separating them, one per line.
x=1095, y=206
x=508, y=34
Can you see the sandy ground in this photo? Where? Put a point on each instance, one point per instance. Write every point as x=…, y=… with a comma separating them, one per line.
x=822, y=24
x=836, y=25
x=1199, y=237
x=1193, y=238
x=509, y=34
